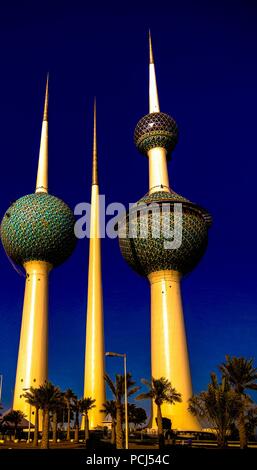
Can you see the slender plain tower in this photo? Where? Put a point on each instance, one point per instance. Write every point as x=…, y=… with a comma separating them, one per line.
x=37, y=232
x=156, y=136
x=94, y=385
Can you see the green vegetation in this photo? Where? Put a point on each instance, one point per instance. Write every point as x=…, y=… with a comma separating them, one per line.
x=85, y=405
x=118, y=390
x=33, y=398
x=242, y=376
x=224, y=408
x=109, y=408
x=14, y=417
x=136, y=415
x=160, y=391
x=69, y=396
x=219, y=405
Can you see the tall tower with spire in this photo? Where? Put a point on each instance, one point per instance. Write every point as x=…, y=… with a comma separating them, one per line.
x=94, y=385
x=156, y=135
x=37, y=233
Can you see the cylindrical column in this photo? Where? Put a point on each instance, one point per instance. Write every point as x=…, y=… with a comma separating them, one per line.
x=169, y=354
x=33, y=348
x=158, y=171
x=94, y=385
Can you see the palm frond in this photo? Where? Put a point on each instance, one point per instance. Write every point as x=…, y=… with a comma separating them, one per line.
x=110, y=384
x=144, y=396
x=133, y=390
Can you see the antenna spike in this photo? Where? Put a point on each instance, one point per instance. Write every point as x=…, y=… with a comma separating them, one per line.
x=154, y=106
x=45, y=115
x=95, y=163
x=42, y=172
x=151, y=59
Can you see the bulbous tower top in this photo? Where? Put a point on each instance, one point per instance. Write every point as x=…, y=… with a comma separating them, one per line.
x=156, y=130
x=38, y=227
x=142, y=239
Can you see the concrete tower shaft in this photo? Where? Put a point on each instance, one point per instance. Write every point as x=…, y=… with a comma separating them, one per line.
x=32, y=365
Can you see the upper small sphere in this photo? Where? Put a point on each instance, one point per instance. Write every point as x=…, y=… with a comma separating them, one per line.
x=38, y=227
x=156, y=130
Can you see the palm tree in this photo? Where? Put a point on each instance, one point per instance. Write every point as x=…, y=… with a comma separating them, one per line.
x=220, y=405
x=118, y=390
x=15, y=417
x=242, y=376
x=50, y=395
x=69, y=396
x=76, y=409
x=1, y=420
x=161, y=391
x=109, y=408
x=251, y=422
x=136, y=415
x=56, y=408
x=86, y=404
x=32, y=396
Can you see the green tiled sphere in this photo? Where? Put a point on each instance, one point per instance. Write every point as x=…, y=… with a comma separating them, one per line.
x=39, y=227
x=146, y=255
x=156, y=130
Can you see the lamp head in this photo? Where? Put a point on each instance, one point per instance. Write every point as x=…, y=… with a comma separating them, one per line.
x=113, y=354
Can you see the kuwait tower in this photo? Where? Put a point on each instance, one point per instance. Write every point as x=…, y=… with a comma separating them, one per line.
x=156, y=136
x=37, y=232
x=94, y=385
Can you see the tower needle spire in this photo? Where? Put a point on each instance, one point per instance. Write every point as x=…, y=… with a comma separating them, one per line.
x=42, y=172
x=95, y=166
x=154, y=106
x=45, y=116
x=94, y=384
x=151, y=59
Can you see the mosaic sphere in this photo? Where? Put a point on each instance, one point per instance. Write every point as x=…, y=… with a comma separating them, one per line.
x=156, y=130
x=39, y=227
x=144, y=245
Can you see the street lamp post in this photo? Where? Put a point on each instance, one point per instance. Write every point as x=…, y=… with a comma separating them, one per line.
x=113, y=354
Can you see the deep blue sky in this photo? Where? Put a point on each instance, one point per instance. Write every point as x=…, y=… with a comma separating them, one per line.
x=207, y=74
